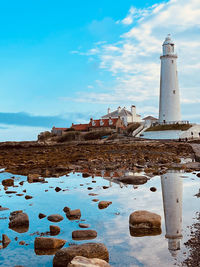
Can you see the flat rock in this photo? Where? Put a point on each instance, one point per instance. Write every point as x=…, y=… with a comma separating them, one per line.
x=89, y=250
x=55, y=218
x=48, y=243
x=83, y=225
x=19, y=221
x=84, y=234
x=135, y=180
x=80, y=261
x=104, y=204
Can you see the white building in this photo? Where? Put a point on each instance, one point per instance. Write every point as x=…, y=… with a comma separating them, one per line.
x=172, y=190
x=149, y=120
x=125, y=115
x=169, y=106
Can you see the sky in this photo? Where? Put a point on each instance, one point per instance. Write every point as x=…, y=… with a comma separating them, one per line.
x=67, y=61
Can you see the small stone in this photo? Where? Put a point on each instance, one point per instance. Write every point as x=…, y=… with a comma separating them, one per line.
x=55, y=218
x=104, y=204
x=84, y=234
x=80, y=261
x=41, y=215
x=85, y=175
x=105, y=187
x=89, y=188
x=83, y=225
x=198, y=175
x=54, y=229
x=73, y=214
x=57, y=189
x=22, y=243
x=153, y=189
x=95, y=200
x=5, y=240
x=28, y=197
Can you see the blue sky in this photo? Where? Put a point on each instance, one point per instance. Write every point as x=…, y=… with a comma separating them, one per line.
x=65, y=61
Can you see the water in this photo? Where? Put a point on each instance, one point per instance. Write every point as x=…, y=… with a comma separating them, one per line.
x=112, y=224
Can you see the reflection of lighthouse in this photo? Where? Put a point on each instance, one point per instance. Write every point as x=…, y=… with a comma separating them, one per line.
x=172, y=189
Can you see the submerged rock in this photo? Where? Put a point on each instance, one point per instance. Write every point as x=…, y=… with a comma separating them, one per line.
x=19, y=221
x=80, y=261
x=89, y=250
x=55, y=218
x=104, y=204
x=84, y=234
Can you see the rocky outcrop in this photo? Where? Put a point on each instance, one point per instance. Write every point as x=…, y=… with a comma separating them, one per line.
x=143, y=223
x=55, y=218
x=80, y=261
x=84, y=234
x=19, y=221
x=89, y=250
x=104, y=204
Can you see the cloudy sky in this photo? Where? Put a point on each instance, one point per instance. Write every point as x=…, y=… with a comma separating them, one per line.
x=66, y=61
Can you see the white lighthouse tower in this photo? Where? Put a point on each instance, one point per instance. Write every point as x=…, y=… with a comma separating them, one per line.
x=172, y=189
x=169, y=106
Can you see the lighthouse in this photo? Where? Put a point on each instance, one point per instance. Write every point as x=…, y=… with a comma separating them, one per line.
x=169, y=106
x=172, y=189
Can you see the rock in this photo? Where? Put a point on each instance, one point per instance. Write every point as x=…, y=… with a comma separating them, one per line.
x=89, y=250
x=135, y=180
x=83, y=225
x=22, y=243
x=66, y=209
x=104, y=204
x=84, y=234
x=11, y=192
x=95, y=200
x=144, y=223
x=105, y=187
x=92, y=194
x=89, y=188
x=21, y=183
x=80, y=261
x=85, y=175
x=28, y=197
x=35, y=178
x=2, y=208
x=54, y=229
x=153, y=189
x=73, y=214
x=44, y=243
x=57, y=189
x=8, y=182
x=41, y=215
x=198, y=174
x=19, y=221
x=55, y=218
x=5, y=240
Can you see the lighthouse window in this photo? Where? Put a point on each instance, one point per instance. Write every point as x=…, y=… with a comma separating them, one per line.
x=174, y=92
x=172, y=61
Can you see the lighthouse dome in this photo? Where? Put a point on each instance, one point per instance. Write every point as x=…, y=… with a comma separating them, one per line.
x=168, y=40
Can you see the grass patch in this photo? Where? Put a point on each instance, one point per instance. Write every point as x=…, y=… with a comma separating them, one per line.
x=169, y=127
x=93, y=135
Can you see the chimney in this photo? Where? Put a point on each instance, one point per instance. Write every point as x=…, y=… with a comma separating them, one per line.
x=119, y=109
x=108, y=110
x=133, y=111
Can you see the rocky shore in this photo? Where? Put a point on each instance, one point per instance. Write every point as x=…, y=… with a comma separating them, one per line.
x=49, y=160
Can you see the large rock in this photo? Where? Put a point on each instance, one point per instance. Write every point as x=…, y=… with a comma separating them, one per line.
x=19, y=221
x=80, y=261
x=72, y=214
x=84, y=234
x=88, y=250
x=144, y=223
x=104, y=204
x=48, y=243
x=8, y=182
x=54, y=229
x=55, y=218
x=135, y=180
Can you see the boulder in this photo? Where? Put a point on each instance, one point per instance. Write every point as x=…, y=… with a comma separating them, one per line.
x=104, y=204
x=8, y=182
x=83, y=225
x=84, y=234
x=57, y=189
x=55, y=218
x=5, y=240
x=48, y=243
x=198, y=175
x=41, y=215
x=54, y=229
x=144, y=223
x=80, y=261
x=19, y=221
x=89, y=250
x=85, y=175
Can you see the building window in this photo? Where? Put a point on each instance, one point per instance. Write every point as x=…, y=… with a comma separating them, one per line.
x=174, y=92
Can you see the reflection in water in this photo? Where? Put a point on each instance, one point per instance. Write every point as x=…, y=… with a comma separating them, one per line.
x=172, y=189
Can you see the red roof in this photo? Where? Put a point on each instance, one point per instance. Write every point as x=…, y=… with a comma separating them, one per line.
x=103, y=122
x=62, y=129
x=80, y=127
